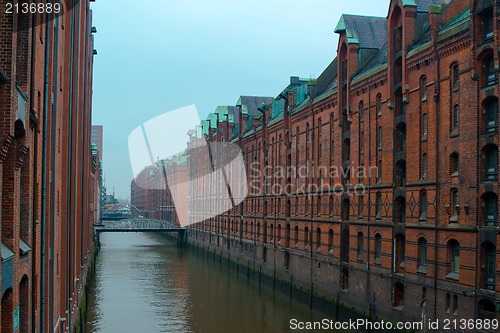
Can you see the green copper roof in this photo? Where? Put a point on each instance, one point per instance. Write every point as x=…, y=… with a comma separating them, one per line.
x=340, y=26
x=409, y=3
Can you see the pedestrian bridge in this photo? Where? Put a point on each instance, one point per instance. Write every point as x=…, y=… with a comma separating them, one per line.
x=138, y=225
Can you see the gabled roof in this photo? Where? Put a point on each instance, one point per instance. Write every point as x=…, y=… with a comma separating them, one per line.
x=368, y=31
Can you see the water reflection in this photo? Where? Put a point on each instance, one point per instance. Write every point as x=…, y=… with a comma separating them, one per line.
x=145, y=284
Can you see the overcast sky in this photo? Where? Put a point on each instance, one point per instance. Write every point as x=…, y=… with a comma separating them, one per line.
x=155, y=56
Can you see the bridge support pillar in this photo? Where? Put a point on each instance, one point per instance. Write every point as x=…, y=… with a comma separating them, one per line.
x=181, y=238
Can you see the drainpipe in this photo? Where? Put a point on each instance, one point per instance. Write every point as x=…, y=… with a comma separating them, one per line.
x=53, y=163
x=310, y=179
x=35, y=172
x=44, y=170
x=69, y=181
x=438, y=195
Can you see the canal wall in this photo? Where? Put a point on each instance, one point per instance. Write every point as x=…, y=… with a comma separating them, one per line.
x=305, y=278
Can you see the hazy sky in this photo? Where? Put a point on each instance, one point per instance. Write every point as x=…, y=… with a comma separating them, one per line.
x=158, y=55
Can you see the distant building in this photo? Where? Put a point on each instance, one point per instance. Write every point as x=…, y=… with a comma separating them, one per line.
x=96, y=138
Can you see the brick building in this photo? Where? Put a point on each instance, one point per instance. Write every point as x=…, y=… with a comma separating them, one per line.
x=48, y=174
x=396, y=214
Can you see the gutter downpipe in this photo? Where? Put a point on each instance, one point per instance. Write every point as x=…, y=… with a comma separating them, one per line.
x=69, y=171
x=53, y=163
x=438, y=202
x=35, y=173
x=44, y=170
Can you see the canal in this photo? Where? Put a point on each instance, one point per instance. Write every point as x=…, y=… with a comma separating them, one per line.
x=144, y=283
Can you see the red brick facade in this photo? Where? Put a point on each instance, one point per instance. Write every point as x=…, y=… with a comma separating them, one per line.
x=411, y=99
x=48, y=176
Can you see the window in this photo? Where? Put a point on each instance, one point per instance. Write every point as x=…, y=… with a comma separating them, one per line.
x=379, y=171
x=378, y=249
x=490, y=73
x=378, y=206
x=399, y=253
x=455, y=76
x=455, y=305
x=454, y=164
x=296, y=236
x=306, y=237
x=490, y=162
x=487, y=20
x=361, y=111
x=425, y=125
x=361, y=205
x=423, y=206
x=399, y=291
x=490, y=208
x=491, y=115
x=330, y=241
x=488, y=263
x=454, y=259
x=455, y=117
x=422, y=255
x=378, y=105
x=346, y=207
x=318, y=240
x=380, y=137
x=362, y=142
x=360, y=246
x=425, y=166
x=448, y=303
x=400, y=210
x=423, y=88
x=454, y=205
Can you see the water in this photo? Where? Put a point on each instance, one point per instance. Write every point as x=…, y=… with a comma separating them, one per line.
x=144, y=284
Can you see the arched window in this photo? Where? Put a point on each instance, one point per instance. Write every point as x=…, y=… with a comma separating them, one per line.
x=422, y=255
x=378, y=248
x=360, y=246
x=453, y=258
